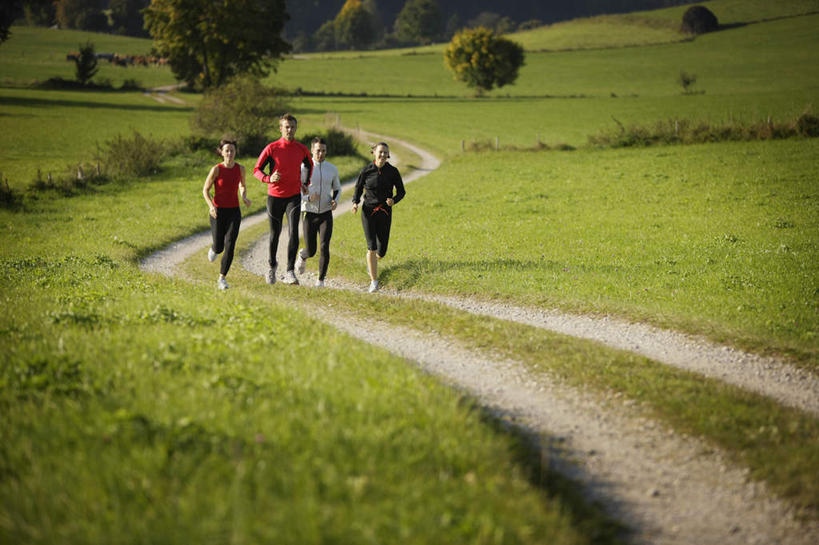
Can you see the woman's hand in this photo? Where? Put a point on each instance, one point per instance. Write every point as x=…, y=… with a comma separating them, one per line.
x=333, y=204
x=212, y=211
x=355, y=207
x=246, y=200
x=390, y=202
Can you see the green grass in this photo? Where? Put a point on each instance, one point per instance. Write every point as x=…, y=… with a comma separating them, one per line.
x=52, y=130
x=140, y=406
x=779, y=445
x=35, y=54
x=132, y=405
x=718, y=239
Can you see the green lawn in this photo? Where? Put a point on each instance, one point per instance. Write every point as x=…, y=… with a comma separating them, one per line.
x=134, y=407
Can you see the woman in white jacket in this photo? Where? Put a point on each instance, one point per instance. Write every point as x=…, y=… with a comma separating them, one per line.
x=318, y=205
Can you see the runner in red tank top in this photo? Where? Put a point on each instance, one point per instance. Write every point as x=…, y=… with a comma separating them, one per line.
x=227, y=178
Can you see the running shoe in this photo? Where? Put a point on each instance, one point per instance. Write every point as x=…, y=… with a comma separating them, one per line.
x=301, y=264
x=211, y=255
x=319, y=283
x=373, y=286
x=290, y=278
x=222, y=284
x=270, y=277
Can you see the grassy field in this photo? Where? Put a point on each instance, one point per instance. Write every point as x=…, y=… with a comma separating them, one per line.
x=35, y=54
x=138, y=406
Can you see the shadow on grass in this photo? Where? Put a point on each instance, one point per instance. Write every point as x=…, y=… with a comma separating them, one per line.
x=546, y=464
x=42, y=103
x=410, y=272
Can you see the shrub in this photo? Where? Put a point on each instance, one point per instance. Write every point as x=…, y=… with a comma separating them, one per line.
x=683, y=131
x=133, y=156
x=699, y=20
x=244, y=108
x=338, y=142
x=73, y=178
x=482, y=59
x=86, y=63
x=9, y=198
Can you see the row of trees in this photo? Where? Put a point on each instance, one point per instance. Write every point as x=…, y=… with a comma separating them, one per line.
x=419, y=22
x=209, y=42
x=117, y=16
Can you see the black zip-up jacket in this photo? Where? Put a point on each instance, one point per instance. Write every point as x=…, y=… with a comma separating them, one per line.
x=377, y=185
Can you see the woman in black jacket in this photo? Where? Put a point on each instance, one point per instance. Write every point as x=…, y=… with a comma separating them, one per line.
x=382, y=187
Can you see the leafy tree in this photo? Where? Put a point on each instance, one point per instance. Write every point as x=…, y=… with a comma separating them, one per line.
x=243, y=108
x=482, y=59
x=9, y=11
x=39, y=12
x=419, y=22
x=208, y=42
x=324, y=38
x=81, y=14
x=86, y=63
x=699, y=20
x=354, y=26
x=126, y=17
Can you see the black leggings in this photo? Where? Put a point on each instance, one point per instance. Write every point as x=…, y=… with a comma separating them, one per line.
x=377, y=222
x=277, y=207
x=321, y=225
x=225, y=230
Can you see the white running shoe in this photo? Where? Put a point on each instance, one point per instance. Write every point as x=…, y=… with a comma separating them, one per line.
x=211, y=255
x=290, y=278
x=373, y=286
x=301, y=264
x=222, y=283
x=270, y=277
x=319, y=283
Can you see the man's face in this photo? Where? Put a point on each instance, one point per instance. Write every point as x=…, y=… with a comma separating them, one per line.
x=319, y=152
x=288, y=129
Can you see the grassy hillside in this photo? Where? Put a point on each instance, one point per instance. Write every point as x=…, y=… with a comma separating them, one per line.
x=139, y=406
x=37, y=54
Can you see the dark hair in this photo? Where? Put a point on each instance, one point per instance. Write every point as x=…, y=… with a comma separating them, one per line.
x=288, y=117
x=372, y=148
x=227, y=140
x=318, y=140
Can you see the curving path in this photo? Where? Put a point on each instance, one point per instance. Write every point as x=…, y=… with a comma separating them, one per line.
x=669, y=489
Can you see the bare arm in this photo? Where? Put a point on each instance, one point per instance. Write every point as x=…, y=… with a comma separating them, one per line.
x=206, y=190
x=243, y=186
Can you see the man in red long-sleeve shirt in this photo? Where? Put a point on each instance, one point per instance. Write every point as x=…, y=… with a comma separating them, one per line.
x=284, y=159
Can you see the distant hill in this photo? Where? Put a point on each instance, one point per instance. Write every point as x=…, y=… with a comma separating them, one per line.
x=308, y=15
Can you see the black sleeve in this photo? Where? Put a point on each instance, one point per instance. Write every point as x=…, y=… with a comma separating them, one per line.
x=359, y=185
x=398, y=184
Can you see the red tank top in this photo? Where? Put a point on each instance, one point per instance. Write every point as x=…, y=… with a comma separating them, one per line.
x=226, y=188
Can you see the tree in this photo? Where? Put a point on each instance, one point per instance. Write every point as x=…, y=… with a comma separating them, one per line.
x=354, y=26
x=9, y=11
x=126, y=17
x=86, y=63
x=482, y=59
x=208, y=42
x=81, y=14
x=699, y=20
x=419, y=22
x=243, y=108
x=39, y=12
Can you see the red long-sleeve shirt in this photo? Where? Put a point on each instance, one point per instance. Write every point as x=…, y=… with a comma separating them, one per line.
x=286, y=156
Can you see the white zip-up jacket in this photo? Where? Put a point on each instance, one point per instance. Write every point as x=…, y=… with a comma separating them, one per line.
x=324, y=182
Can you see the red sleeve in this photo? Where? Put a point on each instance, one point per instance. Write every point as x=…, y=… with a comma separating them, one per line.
x=265, y=159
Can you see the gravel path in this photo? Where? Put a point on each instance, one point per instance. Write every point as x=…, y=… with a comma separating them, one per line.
x=669, y=488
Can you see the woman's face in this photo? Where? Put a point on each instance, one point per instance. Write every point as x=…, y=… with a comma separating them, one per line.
x=228, y=152
x=381, y=153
